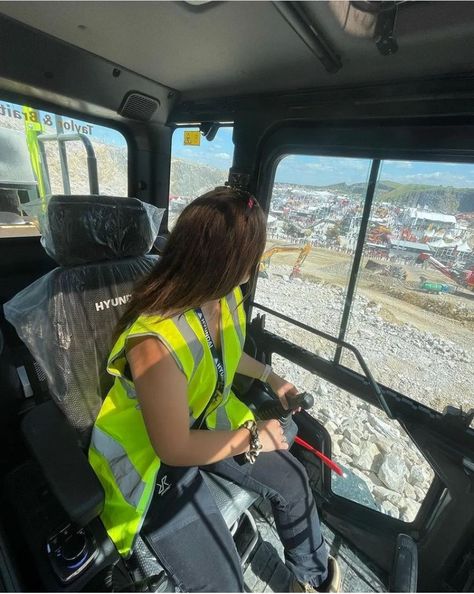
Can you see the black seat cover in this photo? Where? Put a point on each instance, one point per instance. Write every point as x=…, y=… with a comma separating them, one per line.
x=67, y=317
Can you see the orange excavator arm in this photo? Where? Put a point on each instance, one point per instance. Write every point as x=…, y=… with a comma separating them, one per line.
x=266, y=257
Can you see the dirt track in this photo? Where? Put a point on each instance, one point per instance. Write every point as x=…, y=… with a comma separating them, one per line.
x=405, y=302
x=437, y=373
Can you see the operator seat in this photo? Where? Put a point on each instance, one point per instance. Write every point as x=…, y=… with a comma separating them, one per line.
x=67, y=317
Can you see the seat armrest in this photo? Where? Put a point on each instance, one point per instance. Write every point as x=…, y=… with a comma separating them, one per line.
x=54, y=445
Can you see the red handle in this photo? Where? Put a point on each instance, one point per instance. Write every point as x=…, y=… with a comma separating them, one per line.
x=332, y=465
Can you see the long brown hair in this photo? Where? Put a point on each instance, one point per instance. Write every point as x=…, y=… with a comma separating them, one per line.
x=216, y=242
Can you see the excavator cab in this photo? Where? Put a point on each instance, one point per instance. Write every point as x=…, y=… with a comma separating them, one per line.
x=352, y=124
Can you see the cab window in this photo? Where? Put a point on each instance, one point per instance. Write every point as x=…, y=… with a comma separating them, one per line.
x=197, y=166
x=411, y=314
x=304, y=264
x=45, y=153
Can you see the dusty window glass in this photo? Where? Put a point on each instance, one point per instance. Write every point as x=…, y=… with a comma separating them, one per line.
x=315, y=219
x=313, y=224
x=413, y=315
x=383, y=469
x=197, y=168
x=43, y=153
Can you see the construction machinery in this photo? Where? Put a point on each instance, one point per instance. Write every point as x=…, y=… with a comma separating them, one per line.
x=267, y=255
x=463, y=278
x=386, y=269
x=436, y=288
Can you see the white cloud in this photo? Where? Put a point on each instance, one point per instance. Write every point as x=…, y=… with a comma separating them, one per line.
x=223, y=156
x=423, y=176
x=318, y=166
x=442, y=177
x=399, y=164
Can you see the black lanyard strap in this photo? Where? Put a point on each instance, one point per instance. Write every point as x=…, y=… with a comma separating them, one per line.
x=215, y=355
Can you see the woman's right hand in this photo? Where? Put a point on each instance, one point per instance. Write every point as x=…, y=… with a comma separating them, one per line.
x=271, y=435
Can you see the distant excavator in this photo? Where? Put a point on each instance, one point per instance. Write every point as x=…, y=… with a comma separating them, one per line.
x=266, y=257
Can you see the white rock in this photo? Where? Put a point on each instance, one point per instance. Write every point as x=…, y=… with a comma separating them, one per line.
x=336, y=450
x=353, y=435
x=384, y=445
x=409, y=509
x=323, y=389
x=382, y=494
x=410, y=491
x=417, y=476
x=384, y=428
x=390, y=509
x=369, y=457
x=392, y=472
x=330, y=427
x=327, y=413
x=420, y=494
x=349, y=448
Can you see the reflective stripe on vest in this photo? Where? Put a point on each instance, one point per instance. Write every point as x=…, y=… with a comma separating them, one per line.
x=127, y=478
x=235, y=317
x=222, y=421
x=195, y=346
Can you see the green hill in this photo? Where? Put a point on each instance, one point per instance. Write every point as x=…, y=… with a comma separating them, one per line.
x=444, y=199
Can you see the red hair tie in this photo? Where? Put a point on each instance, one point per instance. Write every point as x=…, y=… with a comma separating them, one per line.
x=251, y=202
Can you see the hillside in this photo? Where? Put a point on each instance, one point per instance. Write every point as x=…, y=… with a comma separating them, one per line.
x=192, y=179
x=438, y=198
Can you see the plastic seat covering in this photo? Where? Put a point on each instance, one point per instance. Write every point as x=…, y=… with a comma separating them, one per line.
x=67, y=317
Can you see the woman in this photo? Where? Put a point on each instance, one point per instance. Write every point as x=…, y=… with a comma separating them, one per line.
x=179, y=344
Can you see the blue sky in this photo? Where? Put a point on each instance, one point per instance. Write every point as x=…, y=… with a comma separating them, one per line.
x=321, y=171
x=301, y=169
x=329, y=170
x=217, y=153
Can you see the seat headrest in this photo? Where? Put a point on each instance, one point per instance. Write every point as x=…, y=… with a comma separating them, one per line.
x=83, y=229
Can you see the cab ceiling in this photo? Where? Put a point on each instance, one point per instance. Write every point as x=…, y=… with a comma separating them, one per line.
x=234, y=48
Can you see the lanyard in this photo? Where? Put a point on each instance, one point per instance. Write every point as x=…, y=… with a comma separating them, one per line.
x=215, y=356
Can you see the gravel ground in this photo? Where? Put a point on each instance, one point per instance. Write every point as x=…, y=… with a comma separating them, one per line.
x=423, y=365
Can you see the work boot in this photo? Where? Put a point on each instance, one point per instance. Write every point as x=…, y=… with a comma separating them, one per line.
x=331, y=584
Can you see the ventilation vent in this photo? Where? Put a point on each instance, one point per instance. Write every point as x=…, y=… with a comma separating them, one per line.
x=138, y=107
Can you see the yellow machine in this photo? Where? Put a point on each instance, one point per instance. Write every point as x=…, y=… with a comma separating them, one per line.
x=266, y=257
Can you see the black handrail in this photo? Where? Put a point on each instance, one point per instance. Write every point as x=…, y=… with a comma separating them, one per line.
x=355, y=269
x=341, y=344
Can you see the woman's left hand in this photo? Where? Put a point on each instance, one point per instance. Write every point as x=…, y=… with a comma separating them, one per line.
x=284, y=389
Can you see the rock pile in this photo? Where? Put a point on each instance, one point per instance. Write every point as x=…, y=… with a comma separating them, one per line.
x=364, y=440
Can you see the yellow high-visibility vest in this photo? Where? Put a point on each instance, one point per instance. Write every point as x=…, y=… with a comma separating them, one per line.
x=120, y=450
